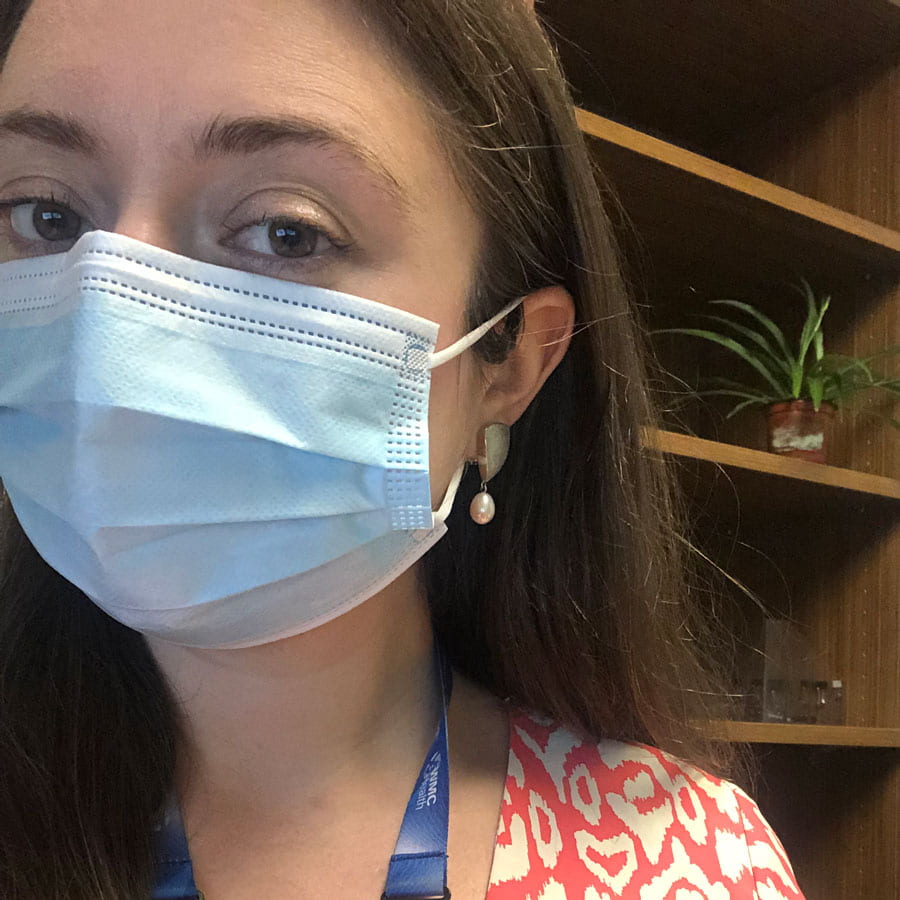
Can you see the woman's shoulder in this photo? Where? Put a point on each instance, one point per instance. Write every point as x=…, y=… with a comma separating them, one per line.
x=583, y=819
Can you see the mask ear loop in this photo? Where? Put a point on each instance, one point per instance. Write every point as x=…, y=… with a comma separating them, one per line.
x=438, y=359
x=440, y=515
x=473, y=337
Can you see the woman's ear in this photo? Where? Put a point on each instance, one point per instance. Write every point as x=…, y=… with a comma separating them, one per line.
x=548, y=317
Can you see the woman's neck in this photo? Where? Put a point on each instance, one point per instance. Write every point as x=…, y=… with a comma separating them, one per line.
x=273, y=726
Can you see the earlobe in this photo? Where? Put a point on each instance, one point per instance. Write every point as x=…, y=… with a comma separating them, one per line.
x=548, y=317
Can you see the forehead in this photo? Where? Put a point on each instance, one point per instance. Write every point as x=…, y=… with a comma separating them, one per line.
x=151, y=73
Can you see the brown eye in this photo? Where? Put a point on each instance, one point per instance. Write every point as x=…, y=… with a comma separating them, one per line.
x=45, y=220
x=293, y=239
x=276, y=239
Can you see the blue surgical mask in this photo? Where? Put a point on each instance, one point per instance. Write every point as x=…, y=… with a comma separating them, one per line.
x=215, y=457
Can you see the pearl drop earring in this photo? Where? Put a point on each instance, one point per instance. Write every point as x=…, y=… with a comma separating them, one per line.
x=493, y=448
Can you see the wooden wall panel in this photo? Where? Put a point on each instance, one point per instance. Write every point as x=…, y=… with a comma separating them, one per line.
x=832, y=808
x=842, y=147
x=695, y=70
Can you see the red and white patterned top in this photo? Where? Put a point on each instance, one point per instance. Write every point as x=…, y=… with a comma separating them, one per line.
x=586, y=821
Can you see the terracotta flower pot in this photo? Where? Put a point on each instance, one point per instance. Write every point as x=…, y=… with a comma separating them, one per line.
x=796, y=429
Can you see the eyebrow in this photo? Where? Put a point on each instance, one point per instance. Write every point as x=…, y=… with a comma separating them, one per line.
x=51, y=128
x=240, y=136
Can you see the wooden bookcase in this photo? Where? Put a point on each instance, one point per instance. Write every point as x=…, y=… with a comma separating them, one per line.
x=745, y=143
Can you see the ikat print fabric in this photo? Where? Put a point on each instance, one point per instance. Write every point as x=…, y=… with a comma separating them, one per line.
x=587, y=821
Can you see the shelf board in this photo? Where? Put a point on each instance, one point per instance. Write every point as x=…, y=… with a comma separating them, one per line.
x=678, y=199
x=819, y=735
x=771, y=464
x=700, y=72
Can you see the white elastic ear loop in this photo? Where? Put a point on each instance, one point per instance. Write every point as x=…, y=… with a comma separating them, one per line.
x=447, y=503
x=439, y=516
x=473, y=337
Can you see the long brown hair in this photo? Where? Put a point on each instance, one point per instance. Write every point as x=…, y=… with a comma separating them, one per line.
x=575, y=603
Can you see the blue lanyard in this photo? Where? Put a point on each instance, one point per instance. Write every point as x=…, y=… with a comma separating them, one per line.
x=418, y=868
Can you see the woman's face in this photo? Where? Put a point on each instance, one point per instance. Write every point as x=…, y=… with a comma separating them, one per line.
x=192, y=126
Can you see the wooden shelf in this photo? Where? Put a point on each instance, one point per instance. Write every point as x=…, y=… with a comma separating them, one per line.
x=682, y=100
x=682, y=204
x=819, y=735
x=764, y=463
x=700, y=73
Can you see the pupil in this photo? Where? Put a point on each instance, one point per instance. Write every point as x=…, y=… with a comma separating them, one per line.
x=55, y=223
x=291, y=239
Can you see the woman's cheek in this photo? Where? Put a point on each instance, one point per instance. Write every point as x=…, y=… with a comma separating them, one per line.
x=453, y=420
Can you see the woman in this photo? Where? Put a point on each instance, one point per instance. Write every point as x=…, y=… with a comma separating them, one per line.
x=237, y=240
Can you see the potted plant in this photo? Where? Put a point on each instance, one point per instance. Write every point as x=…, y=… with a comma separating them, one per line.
x=800, y=387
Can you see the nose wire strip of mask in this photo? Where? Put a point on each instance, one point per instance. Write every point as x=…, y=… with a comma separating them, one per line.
x=473, y=337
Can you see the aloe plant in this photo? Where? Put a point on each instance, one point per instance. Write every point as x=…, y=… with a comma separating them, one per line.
x=804, y=372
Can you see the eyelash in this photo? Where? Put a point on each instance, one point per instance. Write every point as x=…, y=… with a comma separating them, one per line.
x=337, y=243
x=7, y=206
x=266, y=260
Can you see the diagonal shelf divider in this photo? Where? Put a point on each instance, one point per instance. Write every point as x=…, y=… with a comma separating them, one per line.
x=659, y=181
x=812, y=735
x=686, y=445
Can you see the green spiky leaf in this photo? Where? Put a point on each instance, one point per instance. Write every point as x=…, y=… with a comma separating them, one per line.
x=763, y=319
x=735, y=348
